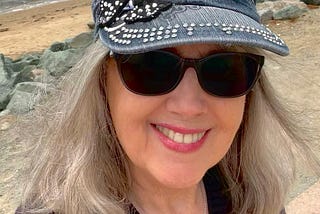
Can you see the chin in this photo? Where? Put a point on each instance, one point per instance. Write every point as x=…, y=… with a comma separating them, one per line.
x=178, y=177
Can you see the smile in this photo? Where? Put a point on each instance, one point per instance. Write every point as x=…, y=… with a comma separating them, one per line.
x=179, y=137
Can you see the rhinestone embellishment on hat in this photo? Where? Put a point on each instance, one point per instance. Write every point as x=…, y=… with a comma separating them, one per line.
x=129, y=11
x=126, y=35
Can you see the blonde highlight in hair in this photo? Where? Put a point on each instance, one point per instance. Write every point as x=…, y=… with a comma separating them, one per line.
x=81, y=167
x=259, y=168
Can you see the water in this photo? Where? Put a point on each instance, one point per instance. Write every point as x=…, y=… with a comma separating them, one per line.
x=7, y=6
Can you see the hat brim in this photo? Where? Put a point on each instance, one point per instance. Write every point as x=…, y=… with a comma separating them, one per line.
x=190, y=24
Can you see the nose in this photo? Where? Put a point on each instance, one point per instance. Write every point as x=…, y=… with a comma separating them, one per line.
x=188, y=99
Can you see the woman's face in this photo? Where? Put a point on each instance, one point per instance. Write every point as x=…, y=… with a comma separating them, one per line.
x=156, y=131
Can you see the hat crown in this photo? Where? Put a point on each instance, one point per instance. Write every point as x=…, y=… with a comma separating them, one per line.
x=247, y=7
x=134, y=26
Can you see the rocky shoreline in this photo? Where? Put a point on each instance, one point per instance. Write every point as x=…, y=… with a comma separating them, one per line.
x=23, y=81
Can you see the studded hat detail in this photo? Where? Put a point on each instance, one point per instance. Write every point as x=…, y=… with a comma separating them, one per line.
x=134, y=26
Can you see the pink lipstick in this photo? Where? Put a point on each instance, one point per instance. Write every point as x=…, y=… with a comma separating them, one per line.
x=180, y=139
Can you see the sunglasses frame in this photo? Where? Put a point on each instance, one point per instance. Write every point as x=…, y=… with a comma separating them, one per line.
x=194, y=63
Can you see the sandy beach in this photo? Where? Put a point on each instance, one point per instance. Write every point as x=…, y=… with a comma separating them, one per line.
x=35, y=29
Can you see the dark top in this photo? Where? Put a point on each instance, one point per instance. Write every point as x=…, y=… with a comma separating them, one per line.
x=218, y=201
x=217, y=198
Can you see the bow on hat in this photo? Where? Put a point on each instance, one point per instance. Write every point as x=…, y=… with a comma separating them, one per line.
x=129, y=11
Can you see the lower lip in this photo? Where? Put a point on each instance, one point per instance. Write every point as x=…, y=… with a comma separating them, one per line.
x=180, y=147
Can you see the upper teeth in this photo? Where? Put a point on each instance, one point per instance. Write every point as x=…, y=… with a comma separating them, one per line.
x=180, y=138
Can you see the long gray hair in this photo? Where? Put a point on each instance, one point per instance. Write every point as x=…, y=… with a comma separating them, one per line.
x=81, y=167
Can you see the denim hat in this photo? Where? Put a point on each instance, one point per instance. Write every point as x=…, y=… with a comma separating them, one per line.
x=134, y=26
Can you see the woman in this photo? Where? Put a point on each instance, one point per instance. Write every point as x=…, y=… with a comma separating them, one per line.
x=170, y=113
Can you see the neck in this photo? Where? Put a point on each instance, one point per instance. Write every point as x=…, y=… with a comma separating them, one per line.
x=152, y=197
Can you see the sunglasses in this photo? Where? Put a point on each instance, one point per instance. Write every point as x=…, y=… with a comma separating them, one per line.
x=228, y=75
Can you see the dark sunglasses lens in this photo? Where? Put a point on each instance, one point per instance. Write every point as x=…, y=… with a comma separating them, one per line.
x=228, y=75
x=151, y=73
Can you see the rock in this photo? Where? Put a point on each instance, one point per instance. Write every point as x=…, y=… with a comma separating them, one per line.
x=5, y=83
x=4, y=29
x=60, y=61
x=14, y=72
x=91, y=25
x=4, y=113
x=21, y=102
x=83, y=40
x=31, y=72
x=4, y=97
x=289, y=12
x=25, y=75
x=284, y=9
x=59, y=46
x=61, y=56
x=313, y=2
x=8, y=60
x=265, y=15
x=26, y=95
x=5, y=73
x=37, y=72
x=25, y=60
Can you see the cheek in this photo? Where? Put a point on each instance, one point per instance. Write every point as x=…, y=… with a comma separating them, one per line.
x=125, y=107
x=129, y=112
x=118, y=101
x=231, y=112
x=228, y=115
